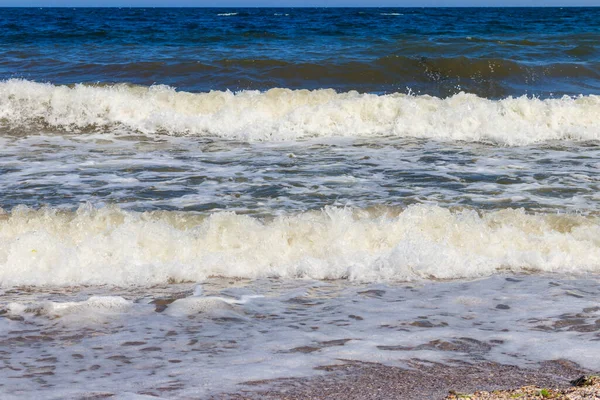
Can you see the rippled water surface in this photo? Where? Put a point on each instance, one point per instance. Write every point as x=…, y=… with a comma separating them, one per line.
x=489, y=52
x=191, y=174
x=171, y=342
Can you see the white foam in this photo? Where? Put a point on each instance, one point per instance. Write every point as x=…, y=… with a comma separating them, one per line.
x=297, y=326
x=214, y=305
x=283, y=114
x=94, y=310
x=107, y=168
x=117, y=247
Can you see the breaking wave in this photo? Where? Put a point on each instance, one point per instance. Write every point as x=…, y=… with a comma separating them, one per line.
x=284, y=114
x=116, y=247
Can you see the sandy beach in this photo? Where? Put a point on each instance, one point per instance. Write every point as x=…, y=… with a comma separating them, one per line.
x=422, y=380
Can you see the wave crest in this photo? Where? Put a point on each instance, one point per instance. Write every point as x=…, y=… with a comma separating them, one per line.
x=284, y=114
x=116, y=247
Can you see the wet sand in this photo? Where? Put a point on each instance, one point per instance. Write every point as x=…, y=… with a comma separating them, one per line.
x=421, y=380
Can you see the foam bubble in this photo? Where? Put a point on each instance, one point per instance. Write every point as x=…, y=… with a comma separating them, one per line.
x=116, y=247
x=195, y=305
x=96, y=309
x=283, y=114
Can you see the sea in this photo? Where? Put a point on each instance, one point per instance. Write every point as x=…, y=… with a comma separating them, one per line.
x=196, y=198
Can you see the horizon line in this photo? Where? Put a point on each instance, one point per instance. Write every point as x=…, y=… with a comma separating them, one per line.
x=304, y=7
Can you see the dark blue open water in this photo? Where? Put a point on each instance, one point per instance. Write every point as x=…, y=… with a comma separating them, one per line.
x=490, y=52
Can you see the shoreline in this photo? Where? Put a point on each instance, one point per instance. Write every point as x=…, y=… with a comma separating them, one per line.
x=420, y=380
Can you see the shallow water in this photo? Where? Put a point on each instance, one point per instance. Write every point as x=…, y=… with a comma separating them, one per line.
x=207, y=175
x=182, y=341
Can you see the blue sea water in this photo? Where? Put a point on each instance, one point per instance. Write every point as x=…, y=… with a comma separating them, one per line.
x=191, y=199
x=491, y=52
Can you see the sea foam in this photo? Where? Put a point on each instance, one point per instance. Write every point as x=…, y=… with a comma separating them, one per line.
x=117, y=247
x=283, y=114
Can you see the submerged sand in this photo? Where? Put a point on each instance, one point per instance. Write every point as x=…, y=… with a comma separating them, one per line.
x=427, y=380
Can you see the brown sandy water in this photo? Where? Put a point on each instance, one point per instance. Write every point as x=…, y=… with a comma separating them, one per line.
x=278, y=338
x=420, y=380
